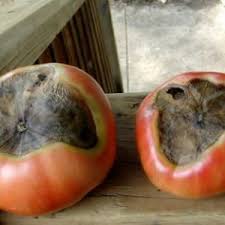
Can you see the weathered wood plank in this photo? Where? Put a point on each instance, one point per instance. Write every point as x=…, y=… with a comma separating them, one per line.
x=59, y=50
x=107, y=78
x=88, y=43
x=28, y=27
x=126, y=196
x=108, y=41
x=46, y=56
x=69, y=46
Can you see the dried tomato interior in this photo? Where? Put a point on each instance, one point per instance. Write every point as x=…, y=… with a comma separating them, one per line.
x=36, y=109
x=191, y=119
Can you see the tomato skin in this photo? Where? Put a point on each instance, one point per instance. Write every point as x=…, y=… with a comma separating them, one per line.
x=199, y=179
x=59, y=175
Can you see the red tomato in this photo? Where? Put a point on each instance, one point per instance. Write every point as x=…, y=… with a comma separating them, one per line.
x=184, y=115
x=57, y=138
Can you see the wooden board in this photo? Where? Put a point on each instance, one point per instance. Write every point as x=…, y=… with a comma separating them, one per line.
x=102, y=13
x=87, y=41
x=28, y=27
x=126, y=196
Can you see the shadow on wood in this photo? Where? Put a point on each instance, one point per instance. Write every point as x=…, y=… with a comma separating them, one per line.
x=87, y=41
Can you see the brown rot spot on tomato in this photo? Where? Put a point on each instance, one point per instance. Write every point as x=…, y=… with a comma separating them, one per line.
x=41, y=77
x=36, y=110
x=176, y=92
x=192, y=118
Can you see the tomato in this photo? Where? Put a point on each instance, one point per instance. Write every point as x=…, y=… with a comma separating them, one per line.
x=180, y=135
x=57, y=138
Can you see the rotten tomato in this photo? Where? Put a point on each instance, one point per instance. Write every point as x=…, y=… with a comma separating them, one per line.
x=57, y=138
x=180, y=132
